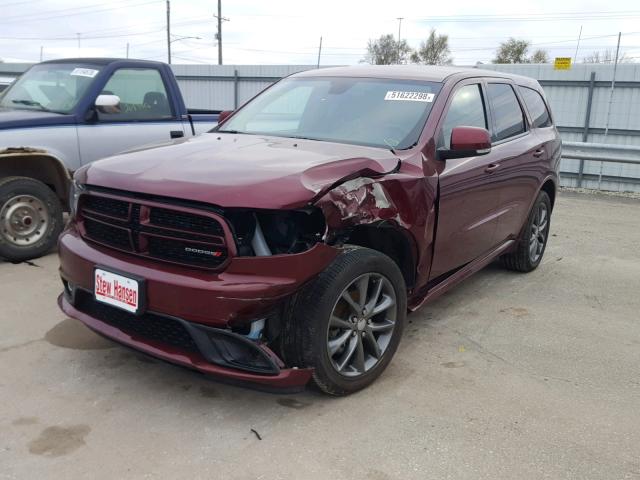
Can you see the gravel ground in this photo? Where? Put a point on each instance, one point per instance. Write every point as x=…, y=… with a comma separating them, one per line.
x=508, y=376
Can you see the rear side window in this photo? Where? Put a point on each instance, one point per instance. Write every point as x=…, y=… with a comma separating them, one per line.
x=506, y=111
x=536, y=106
x=466, y=110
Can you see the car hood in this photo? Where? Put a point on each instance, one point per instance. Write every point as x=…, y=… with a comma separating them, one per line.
x=12, y=118
x=236, y=170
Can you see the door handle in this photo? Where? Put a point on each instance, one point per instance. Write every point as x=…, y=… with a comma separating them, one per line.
x=539, y=152
x=176, y=134
x=492, y=167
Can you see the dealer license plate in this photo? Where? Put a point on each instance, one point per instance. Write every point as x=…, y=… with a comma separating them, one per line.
x=117, y=290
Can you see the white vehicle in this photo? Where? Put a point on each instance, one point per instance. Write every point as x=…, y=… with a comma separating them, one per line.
x=62, y=114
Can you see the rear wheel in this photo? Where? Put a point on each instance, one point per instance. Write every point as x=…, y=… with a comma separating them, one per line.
x=533, y=239
x=30, y=218
x=348, y=322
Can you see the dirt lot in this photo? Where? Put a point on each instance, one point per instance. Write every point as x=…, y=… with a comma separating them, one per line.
x=508, y=376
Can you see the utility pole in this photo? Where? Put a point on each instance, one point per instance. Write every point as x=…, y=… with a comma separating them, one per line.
x=613, y=86
x=575, y=57
x=319, y=53
x=219, y=32
x=219, y=36
x=169, y=32
x=399, y=27
x=127, y=49
x=41, y=52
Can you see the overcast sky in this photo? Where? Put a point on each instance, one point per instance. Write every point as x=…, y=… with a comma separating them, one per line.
x=288, y=31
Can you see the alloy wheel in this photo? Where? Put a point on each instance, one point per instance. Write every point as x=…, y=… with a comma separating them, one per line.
x=361, y=324
x=539, y=231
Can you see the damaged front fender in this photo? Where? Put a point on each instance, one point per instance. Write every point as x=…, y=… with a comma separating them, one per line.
x=359, y=201
x=402, y=201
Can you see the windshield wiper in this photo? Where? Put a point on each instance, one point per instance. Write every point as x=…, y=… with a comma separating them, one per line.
x=31, y=103
x=228, y=131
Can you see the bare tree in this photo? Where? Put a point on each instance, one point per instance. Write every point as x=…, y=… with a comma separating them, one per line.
x=386, y=50
x=539, y=56
x=512, y=51
x=434, y=51
x=606, y=56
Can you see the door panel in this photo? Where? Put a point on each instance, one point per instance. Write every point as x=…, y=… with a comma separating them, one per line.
x=519, y=178
x=525, y=162
x=467, y=216
x=103, y=140
x=145, y=116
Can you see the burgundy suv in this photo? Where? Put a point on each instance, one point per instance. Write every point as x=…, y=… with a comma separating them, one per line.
x=289, y=243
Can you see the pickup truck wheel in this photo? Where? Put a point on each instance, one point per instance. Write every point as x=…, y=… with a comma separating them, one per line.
x=533, y=239
x=348, y=322
x=30, y=218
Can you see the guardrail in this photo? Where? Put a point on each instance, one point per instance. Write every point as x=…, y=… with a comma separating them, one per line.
x=600, y=152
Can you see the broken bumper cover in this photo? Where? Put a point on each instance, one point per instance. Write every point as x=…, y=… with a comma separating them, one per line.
x=188, y=313
x=279, y=378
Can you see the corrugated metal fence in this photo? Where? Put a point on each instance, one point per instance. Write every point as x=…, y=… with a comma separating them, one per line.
x=579, y=99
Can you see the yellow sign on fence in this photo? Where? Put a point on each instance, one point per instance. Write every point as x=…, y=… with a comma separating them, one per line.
x=562, y=63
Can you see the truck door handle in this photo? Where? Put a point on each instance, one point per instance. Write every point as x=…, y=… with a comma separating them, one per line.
x=492, y=167
x=176, y=134
x=539, y=152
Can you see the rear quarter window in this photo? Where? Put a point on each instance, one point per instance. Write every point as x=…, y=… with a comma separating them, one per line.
x=508, y=118
x=536, y=106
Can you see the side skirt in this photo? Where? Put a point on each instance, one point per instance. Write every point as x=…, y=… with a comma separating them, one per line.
x=462, y=274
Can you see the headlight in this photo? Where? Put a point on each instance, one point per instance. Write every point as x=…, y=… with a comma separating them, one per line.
x=76, y=190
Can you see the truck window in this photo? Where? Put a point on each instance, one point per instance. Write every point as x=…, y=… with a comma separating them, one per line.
x=536, y=106
x=142, y=95
x=466, y=110
x=508, y=117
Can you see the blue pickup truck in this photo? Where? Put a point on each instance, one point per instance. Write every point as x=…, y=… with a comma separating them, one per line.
x=62, y=114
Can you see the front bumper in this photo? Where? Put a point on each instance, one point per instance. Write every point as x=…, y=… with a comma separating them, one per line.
x=203, y=307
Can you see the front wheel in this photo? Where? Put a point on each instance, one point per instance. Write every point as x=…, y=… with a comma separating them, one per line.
x=30, y=218
x=533, y=239
x=348, y=322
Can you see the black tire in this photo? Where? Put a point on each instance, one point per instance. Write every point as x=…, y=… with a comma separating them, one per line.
x=522, y=259
x=25, y=204
x=307, y=333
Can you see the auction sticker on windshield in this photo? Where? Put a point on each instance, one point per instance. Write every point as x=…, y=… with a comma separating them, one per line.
x=84, y=72
x=409, y=96
x=117, y=290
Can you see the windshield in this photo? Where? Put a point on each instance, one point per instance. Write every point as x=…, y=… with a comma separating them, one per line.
x=55, y=87
x=363, y=111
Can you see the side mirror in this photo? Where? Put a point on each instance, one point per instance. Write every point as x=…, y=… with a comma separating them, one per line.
x=224, y=115
x=108, y=103
x=467, y=142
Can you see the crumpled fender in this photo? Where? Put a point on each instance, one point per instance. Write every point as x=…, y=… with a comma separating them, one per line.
x=324, y=178
x=402, y=198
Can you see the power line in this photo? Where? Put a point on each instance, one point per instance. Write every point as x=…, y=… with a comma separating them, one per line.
x=69, y=12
